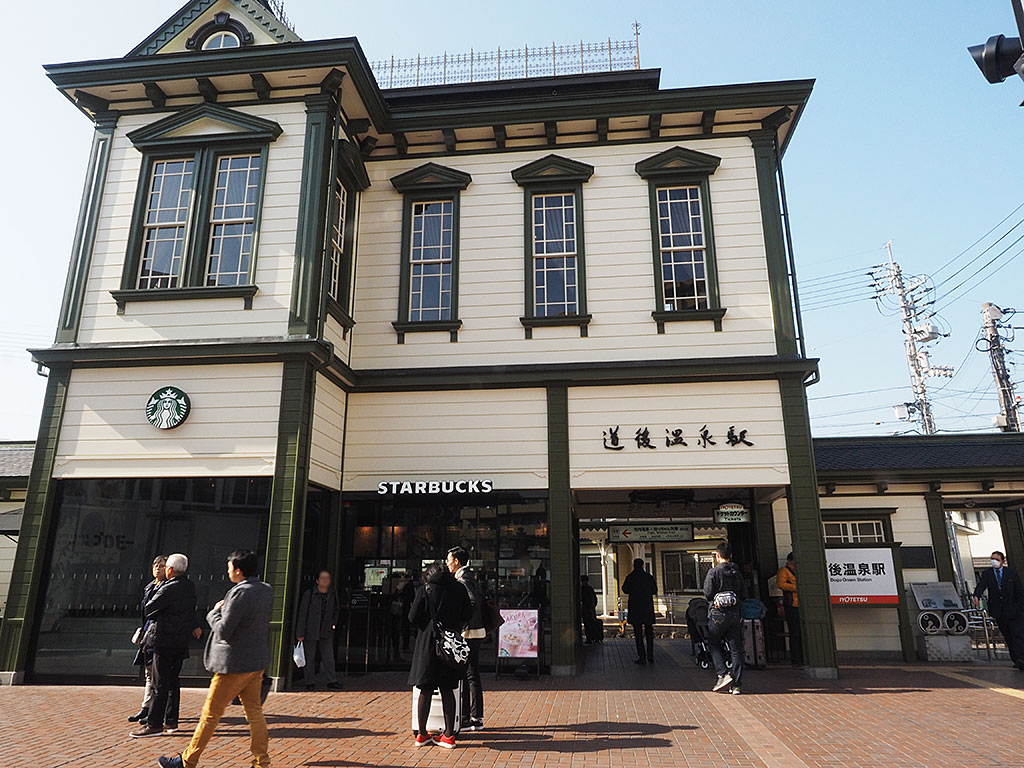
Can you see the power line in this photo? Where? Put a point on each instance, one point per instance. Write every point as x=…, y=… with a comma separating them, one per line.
x=965, y=250
x=976, y=273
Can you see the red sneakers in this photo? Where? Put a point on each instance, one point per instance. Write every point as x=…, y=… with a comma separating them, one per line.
x=448, y=742
x=423, y=740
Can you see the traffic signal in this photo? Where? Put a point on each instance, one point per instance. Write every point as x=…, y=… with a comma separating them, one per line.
x=999, y=58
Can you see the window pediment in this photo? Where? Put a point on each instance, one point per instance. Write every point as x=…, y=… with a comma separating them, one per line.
x=209, y=123
x=553, y=168
x=431, y=177
x=676, y=163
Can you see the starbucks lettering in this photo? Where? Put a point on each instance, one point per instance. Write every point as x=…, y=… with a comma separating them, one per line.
x=434, y=487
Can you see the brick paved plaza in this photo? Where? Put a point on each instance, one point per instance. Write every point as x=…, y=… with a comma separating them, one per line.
x=613, y=714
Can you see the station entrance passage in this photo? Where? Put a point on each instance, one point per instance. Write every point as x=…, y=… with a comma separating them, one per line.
x=675, y=531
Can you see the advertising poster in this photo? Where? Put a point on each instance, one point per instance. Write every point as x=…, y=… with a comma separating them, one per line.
x=861, y=576
x=518, y=636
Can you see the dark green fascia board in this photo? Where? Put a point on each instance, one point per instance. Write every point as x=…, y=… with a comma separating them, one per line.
x=991, y=439
x=339, y=52
x=582, y=374
x=244, y=292
x=259, y=349
x=719, y=97
x=919, y=476
x=677, y=163
x=553, y=169
x=252, y=127
x=399, y=379
x=431, y=177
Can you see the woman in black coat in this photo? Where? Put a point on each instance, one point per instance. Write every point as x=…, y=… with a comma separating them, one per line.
x=448, y=601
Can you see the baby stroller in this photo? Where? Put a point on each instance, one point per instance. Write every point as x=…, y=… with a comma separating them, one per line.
x=697, y=626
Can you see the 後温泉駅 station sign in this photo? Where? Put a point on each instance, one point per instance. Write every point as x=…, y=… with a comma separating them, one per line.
x=659, y=532
x=861, y=576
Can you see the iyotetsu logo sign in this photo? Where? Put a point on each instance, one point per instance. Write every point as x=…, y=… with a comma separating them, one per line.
x=168, y=408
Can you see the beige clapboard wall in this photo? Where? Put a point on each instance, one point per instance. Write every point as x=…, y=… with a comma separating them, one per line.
x=500, y=435
x=327, y=434
x=231, y=431
x=619, y=265
x=752, y=405
x=206, y=318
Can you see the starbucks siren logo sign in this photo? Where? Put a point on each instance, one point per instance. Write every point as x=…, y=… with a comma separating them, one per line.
x=168, y=408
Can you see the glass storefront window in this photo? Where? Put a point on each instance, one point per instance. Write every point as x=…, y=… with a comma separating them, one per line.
x=387, y=544
x=107, y=533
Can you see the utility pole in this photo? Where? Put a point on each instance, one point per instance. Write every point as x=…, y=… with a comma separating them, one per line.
x=1008, y=419
x=908, y=294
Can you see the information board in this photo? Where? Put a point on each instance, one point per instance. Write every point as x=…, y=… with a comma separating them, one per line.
x=940, y=595
x=518, y=636
x=861, y=576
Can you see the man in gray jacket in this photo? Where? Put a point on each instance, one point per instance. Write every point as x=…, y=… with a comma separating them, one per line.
x=237, y=653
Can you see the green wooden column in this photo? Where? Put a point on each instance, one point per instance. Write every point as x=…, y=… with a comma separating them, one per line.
x=288, y=511
x=1013, y=536
x=25, y=596
x=560, y=530
x=808, y=540
x=940, y=537
x=774, y=244
x=311, y=231
x=85, y=231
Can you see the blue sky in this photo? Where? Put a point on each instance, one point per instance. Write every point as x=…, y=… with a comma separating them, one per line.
x=903, y=140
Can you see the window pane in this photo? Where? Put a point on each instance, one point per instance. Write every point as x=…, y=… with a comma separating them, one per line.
x=163, y=239
x=337, y=245
x=233, y=220
x=680, y=227
x=430, y=254
x=554, y=233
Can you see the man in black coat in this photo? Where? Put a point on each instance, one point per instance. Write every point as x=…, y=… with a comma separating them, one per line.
x=725, y=589
x=641, y=588
x=317, y=620
x=457, y=561
x=1005, y=604
x=173, y=624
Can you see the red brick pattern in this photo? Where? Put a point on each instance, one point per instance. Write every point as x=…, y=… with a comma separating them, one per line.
x=613, y=715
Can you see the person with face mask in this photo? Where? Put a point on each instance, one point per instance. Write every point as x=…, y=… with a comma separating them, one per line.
x=1005, y=604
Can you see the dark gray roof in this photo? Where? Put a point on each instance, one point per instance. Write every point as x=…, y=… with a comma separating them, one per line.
x=10, y=522
x=16, y=459
x=941, y=454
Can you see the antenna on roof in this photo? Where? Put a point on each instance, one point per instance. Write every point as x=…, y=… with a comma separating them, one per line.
x=636, y=44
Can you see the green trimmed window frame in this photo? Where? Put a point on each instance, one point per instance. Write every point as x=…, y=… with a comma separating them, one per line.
x=429, y=183
x=349, y=176
x=553, y=175
x=198, y=227
x=672, y=169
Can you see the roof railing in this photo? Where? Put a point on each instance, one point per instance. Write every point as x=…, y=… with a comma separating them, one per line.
x=508, y=64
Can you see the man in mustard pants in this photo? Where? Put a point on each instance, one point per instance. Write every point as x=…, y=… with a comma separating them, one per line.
x=237, y=653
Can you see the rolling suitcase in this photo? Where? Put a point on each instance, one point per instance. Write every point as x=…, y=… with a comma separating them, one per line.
x=754, y=650
x=435, y=723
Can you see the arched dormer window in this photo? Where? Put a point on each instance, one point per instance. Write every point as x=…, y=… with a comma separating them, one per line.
x=223, y=32
x=222, y=39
